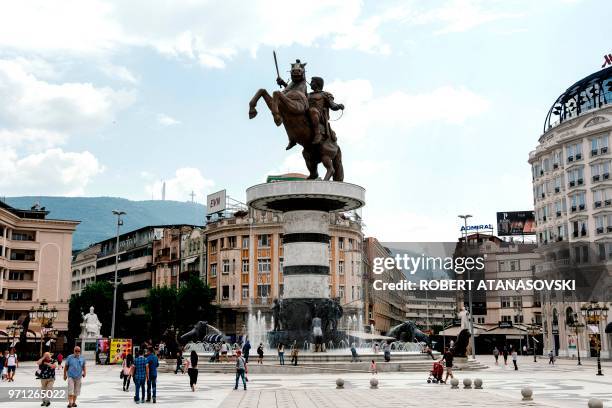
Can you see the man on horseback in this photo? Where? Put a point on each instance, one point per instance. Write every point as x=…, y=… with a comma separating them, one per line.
x=320, y=103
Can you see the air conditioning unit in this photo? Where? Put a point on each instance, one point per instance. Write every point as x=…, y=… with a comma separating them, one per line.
x=607, y=202
x=579, y=156
x=596, y=178
x=597, y=204
x=581, y=207
x=570, y=159
x=572, y=183
x=580, y=181
x=604, y=150
x=573, y=208
x=600, y=230
x=606, y=176
x=594, y=152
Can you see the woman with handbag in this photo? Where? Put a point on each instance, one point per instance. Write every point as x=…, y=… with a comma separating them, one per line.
x=126, y=372
x=46, y=373
x=193, y=370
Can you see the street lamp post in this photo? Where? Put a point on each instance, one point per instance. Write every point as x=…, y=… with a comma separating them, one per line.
x=577, y=326
x=119, y=224
x=533, y=333
x=443, y=332
x=595, y=312
x=465, y=218
x=45, y=316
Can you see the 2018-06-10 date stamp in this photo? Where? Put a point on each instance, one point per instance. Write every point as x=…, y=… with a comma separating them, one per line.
x=31, y=393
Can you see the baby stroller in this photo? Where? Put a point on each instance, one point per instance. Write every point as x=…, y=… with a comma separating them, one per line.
x=435, y=375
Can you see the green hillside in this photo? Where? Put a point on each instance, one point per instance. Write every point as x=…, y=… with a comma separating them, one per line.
x=98, y=222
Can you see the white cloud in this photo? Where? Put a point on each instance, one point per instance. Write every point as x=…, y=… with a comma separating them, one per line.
x=166, y=120
x=26, y=101
x=406, y=226
x=32, y=140
x=179, y=187
x=365, y=111
x=53, y=172
x=118, y=72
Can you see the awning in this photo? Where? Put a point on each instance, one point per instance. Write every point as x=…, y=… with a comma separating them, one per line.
x=191, y=260
x=609, y=328
x=506, y=331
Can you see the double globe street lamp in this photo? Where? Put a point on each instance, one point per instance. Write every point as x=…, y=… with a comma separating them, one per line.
x=596, y=313
x=45, y=316
x=577, y=327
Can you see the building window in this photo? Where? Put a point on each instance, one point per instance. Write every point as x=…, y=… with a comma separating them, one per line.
x=225, y=292
x=263, y=241
x=245, y=242
x=341, y=243
x=513, y=266
x=263, y=265
x=574, y=152
x=213, y=246
x=263, y=291
x=245, y=291
x=19, y=294
x=245, y=266
x=575, y=177
x=505, y=301
x=599, y=145
x=518, y=319
x=340, y=267
x=480, y=320
x=341, y=292
x=281, y=264
x=506, y=318
x=231, y=242
x=213, y=270
x=226, y=266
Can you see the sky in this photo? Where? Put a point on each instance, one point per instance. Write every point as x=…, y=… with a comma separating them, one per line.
x=444, y=99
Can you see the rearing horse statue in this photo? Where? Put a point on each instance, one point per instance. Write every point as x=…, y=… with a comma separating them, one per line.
x=289, y=107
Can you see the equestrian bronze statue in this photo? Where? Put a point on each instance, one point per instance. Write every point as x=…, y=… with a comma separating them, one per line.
x=305, y=117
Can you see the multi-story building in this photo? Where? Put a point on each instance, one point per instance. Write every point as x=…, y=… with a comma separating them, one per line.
x=573, y=203
x=35, y=254
x=383, y=308
x=245, y=265
x=503, y=316
x=84, y=268
x=175, y=253
x=136, y=267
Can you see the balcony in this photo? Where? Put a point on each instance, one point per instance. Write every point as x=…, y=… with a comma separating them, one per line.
x=572, y=183
x=557, y=189
x=604, y=150
x=578, y=156
x=599, y=230
x=597, y=204
x=596, y=177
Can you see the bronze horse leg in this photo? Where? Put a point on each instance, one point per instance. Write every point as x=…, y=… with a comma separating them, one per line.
x=311, y=163
x=272, y=105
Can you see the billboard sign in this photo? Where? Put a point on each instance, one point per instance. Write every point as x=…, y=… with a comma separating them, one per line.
x=216, y=202
x=515, y=223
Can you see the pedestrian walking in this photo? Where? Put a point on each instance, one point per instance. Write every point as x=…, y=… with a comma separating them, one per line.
x=260, y=353
x=140, y=373
x=496, y=355
x=192, y=371
x=153, y=363
x=46, y=369
x=551, y=358
x=387, y=352
x=373, y=368
x=514, y=359
x=179, y=363
x=295, y=351
x=3, y=358
x=281, y=353
x=447, y=358
x=126, y=371
x=74, y=372
x=505, y=354
x=241, y=369
x=246, y=349
x=12, y=362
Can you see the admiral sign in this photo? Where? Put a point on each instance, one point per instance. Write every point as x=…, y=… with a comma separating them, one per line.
x=480, y=227
x=216, y=202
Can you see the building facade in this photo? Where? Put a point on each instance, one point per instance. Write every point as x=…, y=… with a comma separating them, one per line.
x=383, y=308
x=84, y=268
x=573, y=203
x=35, y=254
x=245, y=265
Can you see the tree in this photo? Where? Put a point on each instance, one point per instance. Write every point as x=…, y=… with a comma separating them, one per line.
x=160, y=307
x=194, y=303
x=100, y=296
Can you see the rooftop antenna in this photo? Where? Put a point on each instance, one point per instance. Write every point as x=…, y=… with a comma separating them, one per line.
x=164, y=191
x=192, y=196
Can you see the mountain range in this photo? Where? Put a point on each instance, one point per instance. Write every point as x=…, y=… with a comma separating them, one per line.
x=99, y=223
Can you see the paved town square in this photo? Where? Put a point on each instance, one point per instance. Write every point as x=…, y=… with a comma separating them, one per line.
x=563, y=385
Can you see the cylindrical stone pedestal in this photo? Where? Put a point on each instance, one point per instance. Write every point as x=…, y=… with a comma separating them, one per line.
x=306, y=206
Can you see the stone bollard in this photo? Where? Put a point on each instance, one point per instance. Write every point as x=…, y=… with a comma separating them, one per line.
x=454, y=383
x=374, y=382
x=595, y=403
x=467, y=383
x=339, y=383
x=527, y=393
x=478, y=384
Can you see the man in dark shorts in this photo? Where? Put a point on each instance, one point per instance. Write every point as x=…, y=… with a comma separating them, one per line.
x=448, y=360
